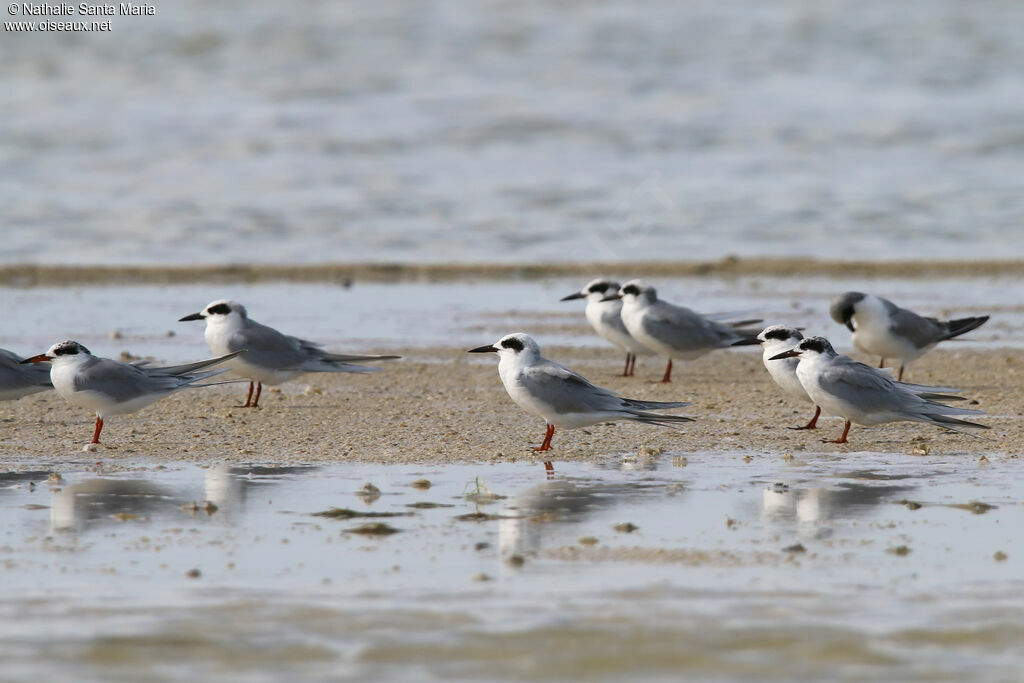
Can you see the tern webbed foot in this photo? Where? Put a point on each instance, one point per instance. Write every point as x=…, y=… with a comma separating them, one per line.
x=813, y=424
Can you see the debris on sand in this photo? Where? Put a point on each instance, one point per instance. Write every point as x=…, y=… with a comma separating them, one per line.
x=974, y=506
x=348, y=513
x=373, y=529
x=478, y=517
x=368, y=492
x=481, y=495
x=625, y=527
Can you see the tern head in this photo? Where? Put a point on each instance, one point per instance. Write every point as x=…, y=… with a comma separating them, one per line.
x=64, y=350
x=220, y=310
x=596, y=290
x=776, y=335
x=810, y=347
x=511, y=346
x=844, y=307
x=633, y=290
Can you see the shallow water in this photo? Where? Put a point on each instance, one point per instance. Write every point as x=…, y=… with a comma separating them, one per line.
x=466, y=130
x=369, y=316
x=709, y=585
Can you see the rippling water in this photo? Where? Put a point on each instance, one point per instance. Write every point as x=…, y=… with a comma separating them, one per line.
x=457, y=130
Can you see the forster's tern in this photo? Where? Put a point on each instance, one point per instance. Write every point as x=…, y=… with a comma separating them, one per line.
x=271, y=357
x=18, y=380
x=109, y=387
x=562, y=397
x=859, y=393
x=605, y=316
x=675, y=331
x=882, y=328
x=774, y=340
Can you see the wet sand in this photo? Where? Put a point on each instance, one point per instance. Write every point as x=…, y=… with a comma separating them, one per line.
x=444, y=406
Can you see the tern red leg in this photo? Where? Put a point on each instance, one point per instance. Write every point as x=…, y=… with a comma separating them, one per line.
x=549, y=469
x=881, y=364
x=842, y=439
x=625, y=373
x=546, y=446
x=99, y=428
x=813, y=424
x=248, y=399
x=668, y=372
x=900, y=378
x=632, y=363
x=259, y=390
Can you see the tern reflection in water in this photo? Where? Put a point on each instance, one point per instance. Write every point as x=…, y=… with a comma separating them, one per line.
x=814, y=508
x=103, y=501
x=546, y=507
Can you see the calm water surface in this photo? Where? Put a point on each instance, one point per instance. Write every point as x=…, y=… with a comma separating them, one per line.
x=776, y=568
x=368, y=316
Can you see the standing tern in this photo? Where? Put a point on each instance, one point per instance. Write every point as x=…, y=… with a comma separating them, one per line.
x=775, y=340
x=675, y=331
x=109, y=387
x=859, y=393
x=882, y=328
x=605, y=316
x=271, y=357
x=562, y=397
x=18, y=380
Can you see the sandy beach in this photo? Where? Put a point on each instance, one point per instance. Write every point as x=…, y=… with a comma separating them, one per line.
x=440, y=405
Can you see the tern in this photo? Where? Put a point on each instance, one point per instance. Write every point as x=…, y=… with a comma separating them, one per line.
x=605, y=316
x=860, y=393
x=271, y=357
x=562, y=397
x=776, y=339
x=109, y=387
x=882, y=328
x=18, y=380
x=675, y=331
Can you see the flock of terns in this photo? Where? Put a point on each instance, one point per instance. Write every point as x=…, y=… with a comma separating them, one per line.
x=631, y=317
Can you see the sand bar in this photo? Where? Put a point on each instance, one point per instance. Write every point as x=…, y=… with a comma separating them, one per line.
x=441, y=405
x=34, y=275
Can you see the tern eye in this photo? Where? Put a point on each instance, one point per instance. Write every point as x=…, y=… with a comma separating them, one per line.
x=512, y=343
x=219, y=309
x=598, y=287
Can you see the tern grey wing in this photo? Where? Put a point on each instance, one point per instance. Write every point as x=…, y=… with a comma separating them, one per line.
x=612, y=317
x=869, y=389
x=185, y=368
x=685, y=330
x=569, y=392
x=120, y=381
x=566, y=391
x=266, y=347
x=920, y=331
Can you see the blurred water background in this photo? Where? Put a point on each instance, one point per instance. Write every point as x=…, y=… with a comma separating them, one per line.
x=499, y=131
